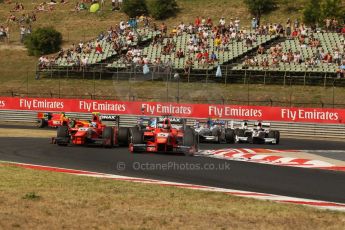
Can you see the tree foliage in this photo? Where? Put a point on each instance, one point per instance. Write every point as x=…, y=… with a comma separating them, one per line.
x=332, y=9
x=43, y=41
x=162, y=9
x=260, y=7
x=312, y=12
x=318, y=10
x=134, y=8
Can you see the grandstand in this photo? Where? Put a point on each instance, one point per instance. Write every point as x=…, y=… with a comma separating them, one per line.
x=94, y=57
x=328, y=42
x=129, y=49
x=231, y=51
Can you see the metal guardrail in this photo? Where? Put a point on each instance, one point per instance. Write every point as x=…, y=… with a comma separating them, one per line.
x=287, y=129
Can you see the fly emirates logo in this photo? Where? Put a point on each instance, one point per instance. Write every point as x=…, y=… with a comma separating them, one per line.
x=166, y=109
x=40, y=104
x=299, y=114
x=103, y=107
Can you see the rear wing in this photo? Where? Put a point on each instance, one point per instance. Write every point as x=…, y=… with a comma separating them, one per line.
x=239, y=124
x=173, y=120
x=263, y=124
x=176, y=122
x=109, y=119
x=47, y=115
x=210, y=122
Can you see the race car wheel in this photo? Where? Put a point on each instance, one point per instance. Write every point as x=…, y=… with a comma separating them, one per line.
x=123, y=136
x=216, y=132
x=272, y=134
x=230, y=136
x=277, y=136
x=108, y=134
x=190, y=140
x=239, y=132
x=136, y=136
x=41, y=123
x=62, y=132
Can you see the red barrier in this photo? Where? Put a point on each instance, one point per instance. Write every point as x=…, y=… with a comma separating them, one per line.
x=313, y=115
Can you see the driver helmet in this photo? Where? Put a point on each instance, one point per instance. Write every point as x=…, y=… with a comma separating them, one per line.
x=259, y=125
x=93, y=124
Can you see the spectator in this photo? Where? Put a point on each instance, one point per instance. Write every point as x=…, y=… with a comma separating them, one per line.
x=265, y=63
x=188, y=66
x=254, y=23
x=328, y=24
x=288, y=28
x=261, y=49
x=17, y=7
x=341, y=70
x=11, y=18
x=237, y=24
x=99, y=49
x=198, y=56
x=163, y=29
x=343, y=30
x=3, y=34
x=213, y=57
x=22, y=30
x=179, y=53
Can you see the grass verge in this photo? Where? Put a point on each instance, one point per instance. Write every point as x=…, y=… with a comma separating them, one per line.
x=40, y=200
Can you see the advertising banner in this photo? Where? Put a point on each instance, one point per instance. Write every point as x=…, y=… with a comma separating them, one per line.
x=238, y=112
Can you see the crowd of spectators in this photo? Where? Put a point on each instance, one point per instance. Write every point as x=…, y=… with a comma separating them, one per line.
x=205, y=39
x=123, y=38
x=303, y=37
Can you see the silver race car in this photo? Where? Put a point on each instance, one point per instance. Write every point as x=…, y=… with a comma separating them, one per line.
x=217, y=131
x=261, y=133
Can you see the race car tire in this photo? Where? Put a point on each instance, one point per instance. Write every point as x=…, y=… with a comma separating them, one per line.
x=62, y=132
x=42, y=123
x=190, y=140
x=230, y=136
x=255, y=141
x=272, y=134
x=123, y=136
x=239, y=132
x=136, y=136
x=277, y=136
x=108, y=133
x=216, y=132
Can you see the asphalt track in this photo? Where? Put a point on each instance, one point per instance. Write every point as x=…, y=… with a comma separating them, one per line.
x=288, y=181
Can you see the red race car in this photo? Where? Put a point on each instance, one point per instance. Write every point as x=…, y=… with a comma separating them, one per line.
x=48, y=119
x=164, y=135
x=92, y=133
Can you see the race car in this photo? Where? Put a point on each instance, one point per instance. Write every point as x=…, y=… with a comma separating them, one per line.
x=261, y=133
x=92, y=133
x=164, y=135
x=54, y=120
x=216, y=131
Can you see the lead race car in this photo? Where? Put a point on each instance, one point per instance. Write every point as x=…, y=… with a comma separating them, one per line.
x=165, y=135
x=261, y=133
x=217, y=131
x=92, y=132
